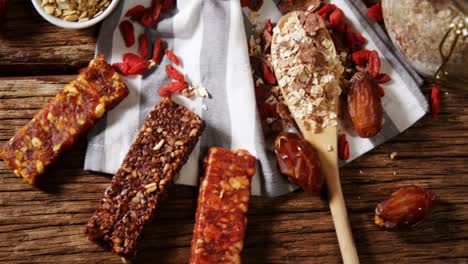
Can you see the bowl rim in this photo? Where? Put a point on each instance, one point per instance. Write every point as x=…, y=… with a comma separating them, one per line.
x=74, y=25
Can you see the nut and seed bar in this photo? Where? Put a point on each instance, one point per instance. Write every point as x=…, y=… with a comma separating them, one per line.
x=223, y=201
x=71, y=113
x=162, y=147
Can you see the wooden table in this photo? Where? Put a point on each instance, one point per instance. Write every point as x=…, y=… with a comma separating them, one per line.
x=46, y=225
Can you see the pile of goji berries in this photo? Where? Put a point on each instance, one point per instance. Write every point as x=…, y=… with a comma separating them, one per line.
x=138, y=64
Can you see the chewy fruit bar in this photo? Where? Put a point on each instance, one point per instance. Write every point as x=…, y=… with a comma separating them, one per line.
x=165, y=141
x=223, y=201
x=71, y=113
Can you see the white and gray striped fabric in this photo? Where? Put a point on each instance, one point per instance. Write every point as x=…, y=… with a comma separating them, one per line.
x=210, y=37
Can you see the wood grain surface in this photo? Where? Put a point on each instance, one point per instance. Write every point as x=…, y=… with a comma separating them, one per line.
x=46, y=224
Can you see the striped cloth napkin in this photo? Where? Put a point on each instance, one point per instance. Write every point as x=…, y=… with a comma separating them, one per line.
x=210, y=38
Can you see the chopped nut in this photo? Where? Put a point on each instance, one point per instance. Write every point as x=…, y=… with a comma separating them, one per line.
x=100, y=109
x=151, y=187
x=159, y=145
x=36, y=142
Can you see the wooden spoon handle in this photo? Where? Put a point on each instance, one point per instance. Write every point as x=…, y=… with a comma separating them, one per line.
x=340, y=218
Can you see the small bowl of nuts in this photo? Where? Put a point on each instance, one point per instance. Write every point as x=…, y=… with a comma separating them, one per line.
x=74, y=13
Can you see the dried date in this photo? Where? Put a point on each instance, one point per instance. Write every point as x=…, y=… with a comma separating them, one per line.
x=364, y=105
x=404, y=208
x=299, y=161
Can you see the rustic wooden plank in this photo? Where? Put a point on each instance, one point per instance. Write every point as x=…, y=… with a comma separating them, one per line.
x=29, y=45
x=46, y=225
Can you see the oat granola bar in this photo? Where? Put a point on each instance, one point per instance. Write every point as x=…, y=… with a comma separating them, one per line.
x=71, y=113
x=223, y=201
x=163, y=145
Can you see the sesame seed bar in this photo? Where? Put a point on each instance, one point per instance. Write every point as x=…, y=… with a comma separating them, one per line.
x=162, y=147
x=223, y=201
x=71, y=113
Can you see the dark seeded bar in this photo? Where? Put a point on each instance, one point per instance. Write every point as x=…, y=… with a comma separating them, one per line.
x=71, y=113
x=223, y=201
x=163, y=145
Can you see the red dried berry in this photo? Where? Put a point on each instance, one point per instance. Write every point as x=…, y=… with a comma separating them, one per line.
x=336, y=17
x=343, y=147
x=167, y=5
x=139, y=68
x=269, y=27
x=341, y=27
x=171, y=56
x=143, y=46
x=359, y=38
x=326, y=10
x=121, y=68
x=155, y=3
x=268, y=76
x=267, y=110
x=126, y=28
x=255, y=5
x=380, y=90
x=375, y=12
x=435, y=102
x=157, y=49
x=244, y=3
x=383, y=78
x=361, y=57
x=134, y=10
x=131, y=59
x=405, y=208
x=350, y=40
x=174, y=74
x=172, y=88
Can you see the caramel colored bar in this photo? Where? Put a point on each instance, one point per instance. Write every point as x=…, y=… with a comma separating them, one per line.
x=162, y=147
x=223, y=201
x=71, y=113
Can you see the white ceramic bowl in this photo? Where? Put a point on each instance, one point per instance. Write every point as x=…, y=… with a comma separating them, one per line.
x=76, y=25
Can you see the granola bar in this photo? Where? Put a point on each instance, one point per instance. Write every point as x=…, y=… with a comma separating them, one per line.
x=71, y=113
x=223, y=202
x=163, y=145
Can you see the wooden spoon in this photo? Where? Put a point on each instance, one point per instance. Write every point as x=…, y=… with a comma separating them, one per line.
x=325, y=141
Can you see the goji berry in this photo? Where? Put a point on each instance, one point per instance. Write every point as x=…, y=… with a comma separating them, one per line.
x=131, y=59
x=375, y=12
x=343, y=147
x=359, y=38
x=171, y=56
x=174, y=74
x=126, y=28
x=336, y=17
x=157, y=48
x=172, y=88
x=269, y=27
x=139, y=68
x=143, y=46
x=121, y=68
x=380, y=90
x=361, y=57
x=138, y=15
x=350, y=40
x=383, y=78
x=268, y=76
x=134, y=10
x=150, y=16
x=167, y=5
x=267, y=110
x=244, y=3
x=341, y=27
x=155, y=3
x=374, y=64
x=435, y=101
x=326, y=10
